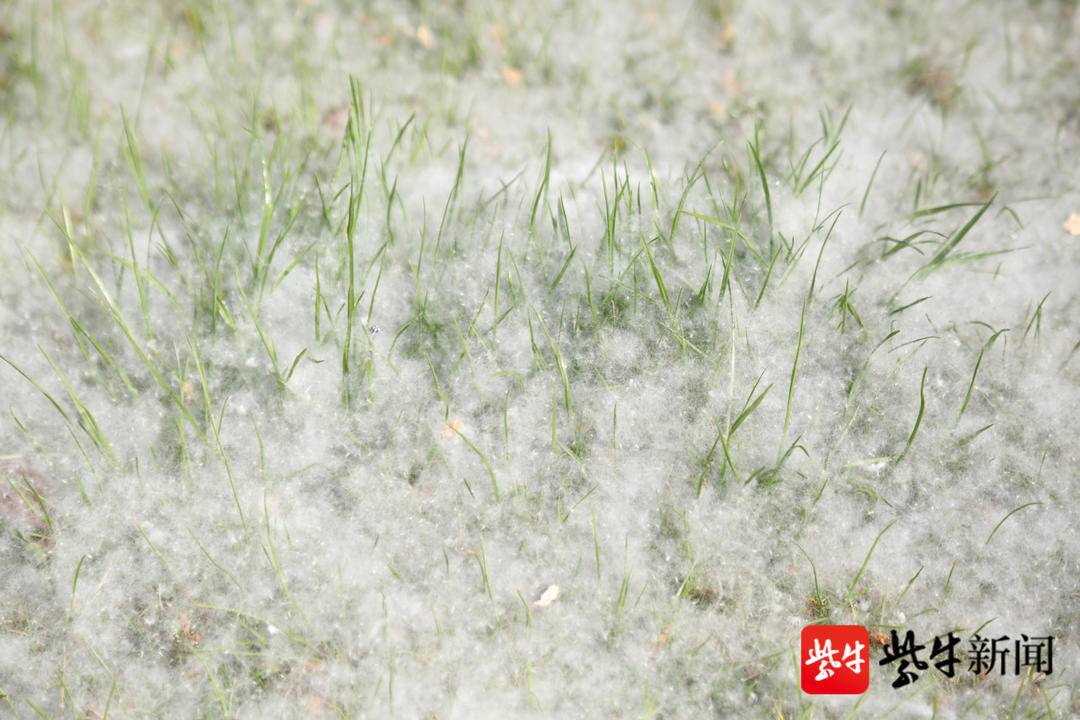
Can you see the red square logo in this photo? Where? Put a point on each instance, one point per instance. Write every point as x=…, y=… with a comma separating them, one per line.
x=835, y=659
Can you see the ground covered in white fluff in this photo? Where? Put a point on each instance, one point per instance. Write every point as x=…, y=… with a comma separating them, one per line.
x=559, y=358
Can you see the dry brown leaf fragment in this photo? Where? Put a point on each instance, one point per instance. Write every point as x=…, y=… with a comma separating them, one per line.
x=511, y=75
x=550, y=595
x=1072, y=224
x=190, y=635
x=936, y=82
x=334, y=118
x=731, y=83
x=878, y=638
x=425, y=36
x=187, y=634
x=727, y=37
x=314, y=705
x=450, y=428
